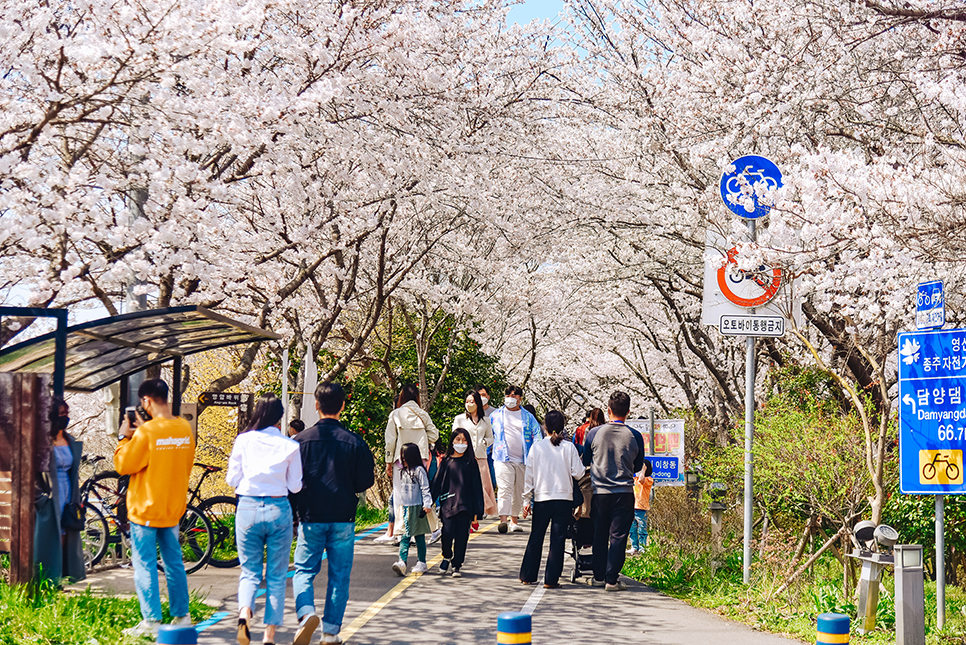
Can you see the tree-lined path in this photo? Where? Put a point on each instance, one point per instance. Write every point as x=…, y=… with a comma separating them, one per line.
x=387, y=610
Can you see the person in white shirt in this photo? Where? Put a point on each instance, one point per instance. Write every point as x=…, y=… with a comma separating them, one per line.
x=476, y=424
x=514, y=431
x=263, y=468
x=408, y=423
x=548, y=489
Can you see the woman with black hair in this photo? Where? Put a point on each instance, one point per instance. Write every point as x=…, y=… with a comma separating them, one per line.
x=58, y=548
x=459, y=488
x=264, y=467
x=552, y=466
x=476, y=424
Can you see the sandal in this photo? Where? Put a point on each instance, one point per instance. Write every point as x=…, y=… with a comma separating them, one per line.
x=244, y=635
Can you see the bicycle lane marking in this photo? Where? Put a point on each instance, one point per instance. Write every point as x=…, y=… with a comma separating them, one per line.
x=534, y=600
x=221, y=615
x=373, y=609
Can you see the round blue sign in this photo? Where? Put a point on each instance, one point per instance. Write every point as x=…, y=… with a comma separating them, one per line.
x=747, y=186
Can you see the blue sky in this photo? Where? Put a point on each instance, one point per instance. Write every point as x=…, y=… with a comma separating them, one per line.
x=534, y=10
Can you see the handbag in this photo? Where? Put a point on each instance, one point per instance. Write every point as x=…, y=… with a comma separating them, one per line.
x=72, y=518
x=433, y=518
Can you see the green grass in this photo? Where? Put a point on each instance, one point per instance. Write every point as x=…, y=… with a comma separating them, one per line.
x=716, y=584
x=52, y=617
x=367, y=517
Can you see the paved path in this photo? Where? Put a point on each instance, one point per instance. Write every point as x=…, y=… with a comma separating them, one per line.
x=432, y=609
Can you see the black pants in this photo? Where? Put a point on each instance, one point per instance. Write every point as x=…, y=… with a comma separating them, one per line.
x=555, y=514
x=613, y=515
x=456, y=532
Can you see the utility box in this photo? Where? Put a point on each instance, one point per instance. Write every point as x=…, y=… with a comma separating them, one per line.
x=910, y=599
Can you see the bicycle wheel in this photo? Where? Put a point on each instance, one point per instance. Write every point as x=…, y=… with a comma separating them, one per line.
x=109, y=490
x=952, y=472
x=928, y=472
x=194, y=534
x=95, y=537
x=221, y=511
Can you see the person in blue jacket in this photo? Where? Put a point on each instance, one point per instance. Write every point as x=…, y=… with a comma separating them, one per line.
x=514, y=431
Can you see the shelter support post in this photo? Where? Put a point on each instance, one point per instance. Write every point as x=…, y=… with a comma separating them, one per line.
x=176, y=369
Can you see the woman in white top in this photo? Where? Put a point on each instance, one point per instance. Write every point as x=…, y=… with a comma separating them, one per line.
x=408, y=423
x=264, y=467
x=474, y=421
x=552, y=465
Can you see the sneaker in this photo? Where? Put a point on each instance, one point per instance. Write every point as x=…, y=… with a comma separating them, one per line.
x=434, y=538
x=443, y=566
x=618, y=586
x=595, y=583
x=515, y=528
x=552, y=585
x=632, y=551
x=457, y=574
x=502, y=527
x=182, y=620
x=144, y=628
x=396, y=540
x=474, y=526
x=306, y=630
x=385, y=538
x=330, y=638
x=400, y=568
x=420, y=567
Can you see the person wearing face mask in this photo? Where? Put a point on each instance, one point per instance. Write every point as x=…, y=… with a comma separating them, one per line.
x=514, y=431
x=487, y=411
x=459, y=488
x=58, y=548
x=477, y=426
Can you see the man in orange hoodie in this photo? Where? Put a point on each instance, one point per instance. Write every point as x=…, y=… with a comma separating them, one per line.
x=157, y=453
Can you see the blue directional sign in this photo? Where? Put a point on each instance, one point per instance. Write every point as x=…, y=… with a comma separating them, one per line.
x=932, y=411
x=930, y=305
x=665, y=468
x=747, y=185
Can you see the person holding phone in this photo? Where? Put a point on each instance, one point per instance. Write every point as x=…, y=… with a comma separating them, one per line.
x=157, y=450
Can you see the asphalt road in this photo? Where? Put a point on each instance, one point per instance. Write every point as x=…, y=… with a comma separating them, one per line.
x=385, y=609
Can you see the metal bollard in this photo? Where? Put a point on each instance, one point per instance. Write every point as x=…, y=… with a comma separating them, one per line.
x=833, y=629
x=513, y=627
x=178, y=635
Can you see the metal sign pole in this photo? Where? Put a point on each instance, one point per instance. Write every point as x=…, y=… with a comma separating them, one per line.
x=749, y=439
x=940, y=562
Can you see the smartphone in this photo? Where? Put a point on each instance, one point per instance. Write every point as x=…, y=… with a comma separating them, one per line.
x=129, y=413
x=143, y=414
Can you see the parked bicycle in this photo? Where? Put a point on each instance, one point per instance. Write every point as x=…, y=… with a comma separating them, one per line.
x=220, y=511
x=107, y=531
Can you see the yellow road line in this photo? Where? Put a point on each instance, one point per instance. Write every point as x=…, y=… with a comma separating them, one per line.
x=370, y=613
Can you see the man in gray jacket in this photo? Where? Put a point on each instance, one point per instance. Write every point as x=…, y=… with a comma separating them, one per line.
x=614, y=452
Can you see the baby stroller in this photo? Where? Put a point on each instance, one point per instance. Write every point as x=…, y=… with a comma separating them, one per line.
x=581, y=529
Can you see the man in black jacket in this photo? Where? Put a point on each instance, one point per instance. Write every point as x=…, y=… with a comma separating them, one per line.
x=337, y=465
x=614, y=452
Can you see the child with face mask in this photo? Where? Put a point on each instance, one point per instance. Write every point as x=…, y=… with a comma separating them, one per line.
x=459, y=488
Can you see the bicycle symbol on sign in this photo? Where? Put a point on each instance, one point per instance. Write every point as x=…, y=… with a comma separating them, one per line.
x=743, y=187
x=929, y=469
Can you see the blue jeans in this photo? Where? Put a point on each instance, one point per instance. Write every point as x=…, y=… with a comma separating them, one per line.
x=337, y=541
x=146, y=542
x=639, y=529
x=263, y=525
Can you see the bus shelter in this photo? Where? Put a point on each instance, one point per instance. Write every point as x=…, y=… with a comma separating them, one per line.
x=84, y=358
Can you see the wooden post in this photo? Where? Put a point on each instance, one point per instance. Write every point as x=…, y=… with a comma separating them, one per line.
x=24, y=403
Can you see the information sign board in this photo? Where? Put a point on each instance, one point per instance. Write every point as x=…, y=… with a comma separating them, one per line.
x=932, y=411
x=930, y=305
x=668, y=457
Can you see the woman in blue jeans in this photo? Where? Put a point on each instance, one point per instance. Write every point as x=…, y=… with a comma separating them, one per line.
x=263, y=468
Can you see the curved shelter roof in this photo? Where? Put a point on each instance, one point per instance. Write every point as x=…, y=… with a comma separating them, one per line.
x=101, y=352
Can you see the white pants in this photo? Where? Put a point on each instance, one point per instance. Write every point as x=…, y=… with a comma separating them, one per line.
x=509, y=482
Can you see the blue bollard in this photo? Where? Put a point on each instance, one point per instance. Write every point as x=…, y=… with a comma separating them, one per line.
x=177, y=635
x=833, y=629
x=513, y=627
